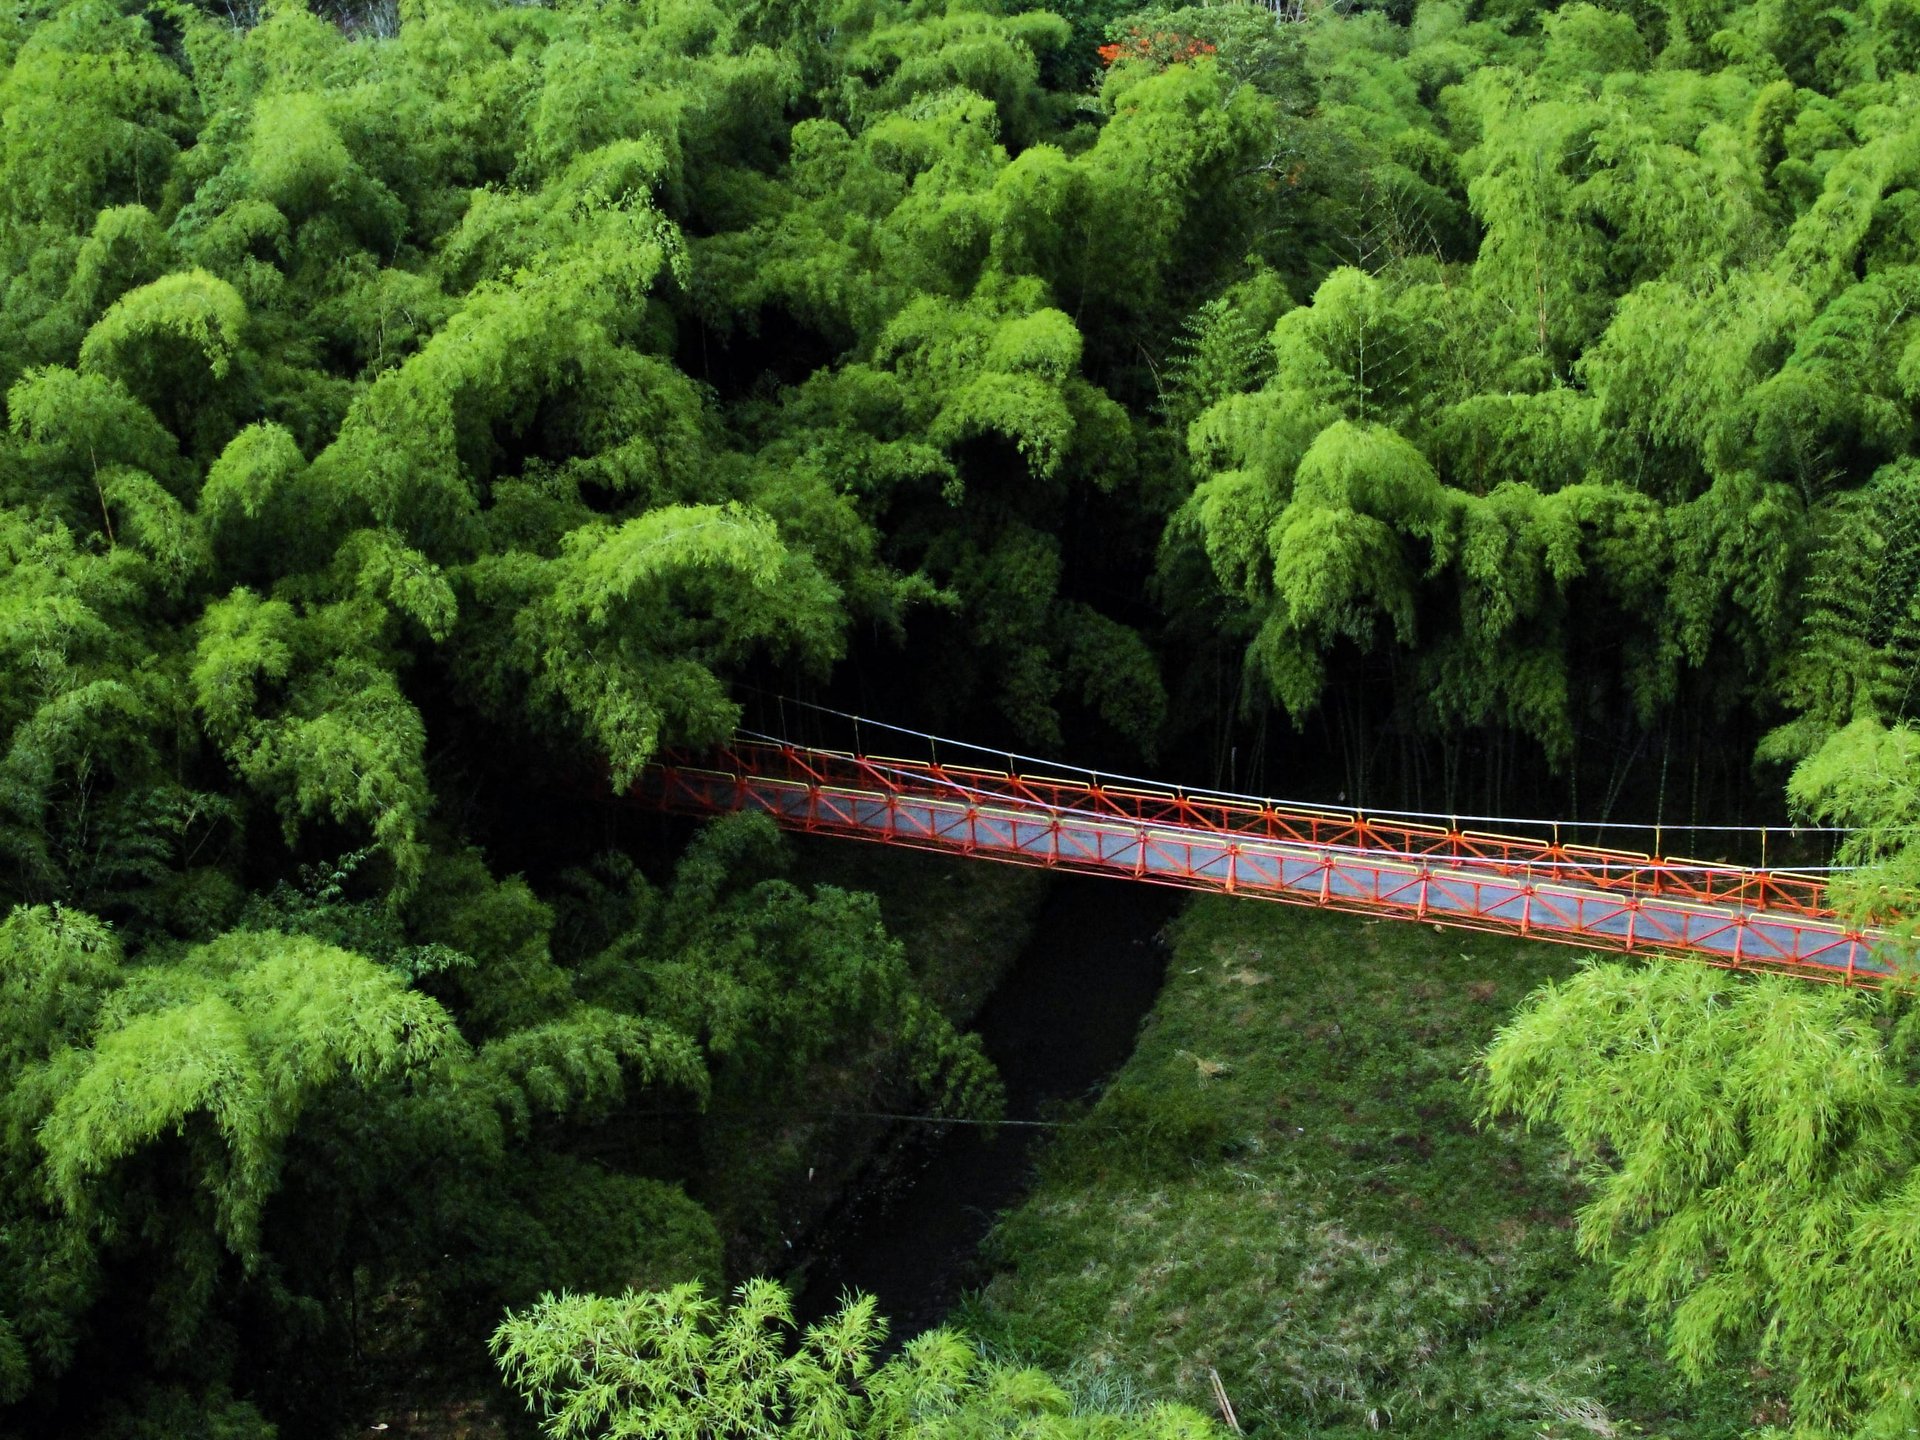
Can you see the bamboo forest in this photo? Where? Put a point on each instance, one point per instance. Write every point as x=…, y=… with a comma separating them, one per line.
x=430, y=423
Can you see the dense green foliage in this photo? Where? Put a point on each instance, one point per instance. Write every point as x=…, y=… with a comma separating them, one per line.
x=673, y=1364
x=215, y=1148
x=1755, y=1152
x=417, y=418
x=1613, y=396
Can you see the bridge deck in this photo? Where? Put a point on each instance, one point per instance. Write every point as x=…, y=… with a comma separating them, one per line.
x=1725, y=915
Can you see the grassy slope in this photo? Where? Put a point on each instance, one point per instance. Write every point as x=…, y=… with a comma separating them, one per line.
x=1287, y=1182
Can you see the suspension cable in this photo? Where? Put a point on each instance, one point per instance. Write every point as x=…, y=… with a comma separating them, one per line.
x=1095, y=777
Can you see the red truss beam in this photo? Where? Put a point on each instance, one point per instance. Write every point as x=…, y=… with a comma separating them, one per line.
x=1336, y=859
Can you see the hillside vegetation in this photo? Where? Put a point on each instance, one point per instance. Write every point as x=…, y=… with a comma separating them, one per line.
x=1292, y=1183
x=418, y=416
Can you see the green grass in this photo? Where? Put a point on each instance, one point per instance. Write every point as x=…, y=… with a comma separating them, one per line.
x=1288, y=1182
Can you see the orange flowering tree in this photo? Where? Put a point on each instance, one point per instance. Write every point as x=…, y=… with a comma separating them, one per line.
x=1160, y=48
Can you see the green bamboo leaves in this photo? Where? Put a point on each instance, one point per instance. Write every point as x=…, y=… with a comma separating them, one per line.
x=679, y=1365
x=1751, y=1148
x=618, y=631
x=214, y=1059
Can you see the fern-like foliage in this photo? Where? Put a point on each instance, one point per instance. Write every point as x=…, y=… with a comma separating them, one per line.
x=1854, y=677
x=1218, y=352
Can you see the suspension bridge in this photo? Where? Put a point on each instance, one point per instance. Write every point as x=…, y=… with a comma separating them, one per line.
x=1403, y=865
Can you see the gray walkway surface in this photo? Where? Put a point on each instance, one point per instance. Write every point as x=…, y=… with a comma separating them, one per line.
x=1461, y=889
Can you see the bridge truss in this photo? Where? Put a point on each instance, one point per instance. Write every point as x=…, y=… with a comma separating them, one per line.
x=1735, y=916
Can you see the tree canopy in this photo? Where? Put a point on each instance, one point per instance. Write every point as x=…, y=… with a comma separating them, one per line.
x=420, y=416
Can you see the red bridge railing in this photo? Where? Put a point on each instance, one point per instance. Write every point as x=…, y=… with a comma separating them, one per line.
x=1338, y=859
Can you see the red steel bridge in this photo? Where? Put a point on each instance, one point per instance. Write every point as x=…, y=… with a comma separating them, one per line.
x=1401, y=866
